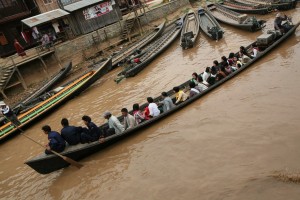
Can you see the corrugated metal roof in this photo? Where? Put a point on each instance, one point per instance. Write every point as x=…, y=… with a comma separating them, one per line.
x=80, y=4
x=44, y=17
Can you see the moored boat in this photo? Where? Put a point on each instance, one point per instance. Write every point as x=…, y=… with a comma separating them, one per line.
x=209, y=24
x=154, y=50
x=241, y=21
x=274, y=4
x=120, y=56
x=246, y=8
x=62, y=94
x=45, y=164
x=190, y=30
x=46, y=87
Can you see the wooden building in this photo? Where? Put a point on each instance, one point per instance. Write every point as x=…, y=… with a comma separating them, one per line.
x=11, y=14
x=89, y=15
x=47, y=5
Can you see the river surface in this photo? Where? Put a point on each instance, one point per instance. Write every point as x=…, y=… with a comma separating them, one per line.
x=225, y=145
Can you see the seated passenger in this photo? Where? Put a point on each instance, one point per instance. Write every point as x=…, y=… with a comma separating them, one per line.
x=203, y=85
x=180, y=95
x=153, y=109
x=70, y=133
x=224, y=61
x=206, y=74
x=92, y=132
x=216, y=65
x=254, y=50
x=230, y=57
x=137, y=114
x=278, y=23
x=194, y=78
x=212, y=78
x=147, y=113
x=167, y=102
x=243, y=53
x=227, y=69
x=194, y=90
x=114, y=124
x=56, y=142
x=128, y=119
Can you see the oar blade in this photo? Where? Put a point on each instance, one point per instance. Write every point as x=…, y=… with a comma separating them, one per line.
x=73, y=162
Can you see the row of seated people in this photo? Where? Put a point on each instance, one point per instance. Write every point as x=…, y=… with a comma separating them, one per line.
x=75, y=135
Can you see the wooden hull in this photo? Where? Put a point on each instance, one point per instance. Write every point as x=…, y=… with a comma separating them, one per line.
x=156, y=48
x=229, y=17
x=209, y=25
x=45, y=107
x=46, y=164
x=244, y=8
x=191, y=27
x=279, y=6
x=138, y=45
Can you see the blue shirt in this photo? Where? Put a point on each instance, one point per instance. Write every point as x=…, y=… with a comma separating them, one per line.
x=55, y=140
x=71, y=134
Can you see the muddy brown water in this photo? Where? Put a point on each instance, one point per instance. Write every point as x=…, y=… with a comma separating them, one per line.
x=223, y=146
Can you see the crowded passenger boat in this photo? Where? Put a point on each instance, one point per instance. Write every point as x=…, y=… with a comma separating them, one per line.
x=79, y=142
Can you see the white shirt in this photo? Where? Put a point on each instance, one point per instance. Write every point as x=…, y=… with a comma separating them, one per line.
x=254, y=53
x=205, y=76
x=153, y=109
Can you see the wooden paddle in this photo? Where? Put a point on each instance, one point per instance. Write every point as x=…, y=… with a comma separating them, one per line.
x=65, y=158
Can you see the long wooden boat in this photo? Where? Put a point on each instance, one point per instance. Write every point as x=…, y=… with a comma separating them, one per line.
x=120, y=56
x=246, y=8
x=63, y=94
x=190, y=30
x=241, y=21
x=274, y=4
x=45, y=164
x=155, y=49
x=209, y=24
x=46, y=87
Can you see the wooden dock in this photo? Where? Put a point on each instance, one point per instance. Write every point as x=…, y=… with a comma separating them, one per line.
x=9, y=67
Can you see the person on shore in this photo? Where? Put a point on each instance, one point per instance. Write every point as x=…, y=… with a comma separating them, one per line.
x=194, y=90
x=167, y=102
x=56, y=142
x=194, y=78
x=206, y=74
x=91, y=133
x=180, y=95
x=70, y=134
x=153, y=108
x=19, y=48
x=137, y=114
x=45, y=41
x=9, y=114
x=115, y=126
x=203, y=85
x=128, y=119
x=278, y=23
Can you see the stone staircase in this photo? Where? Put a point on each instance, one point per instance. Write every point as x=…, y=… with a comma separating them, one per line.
x=128, y=25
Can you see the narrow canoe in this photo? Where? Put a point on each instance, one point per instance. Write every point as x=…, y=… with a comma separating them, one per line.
x=279, y=5
x=63, y=94
x=241, y=21
x=190, y=30
x=45, y=164
x=46, y=87
x=137, y=45
x=246, y=8
x=154, y=49
x=209, y=24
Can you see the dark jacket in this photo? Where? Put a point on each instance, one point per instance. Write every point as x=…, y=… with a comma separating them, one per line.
x=71, y=134
x=94, y=131
x=56, y=142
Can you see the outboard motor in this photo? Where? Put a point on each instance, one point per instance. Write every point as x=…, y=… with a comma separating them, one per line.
x=186, y=41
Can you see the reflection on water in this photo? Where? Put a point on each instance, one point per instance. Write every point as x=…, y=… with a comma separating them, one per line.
x=223, y=146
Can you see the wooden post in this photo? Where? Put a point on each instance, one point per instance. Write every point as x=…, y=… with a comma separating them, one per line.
x=3, y=94
x=43, y=63
x=19, y=74
x=56, y=57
